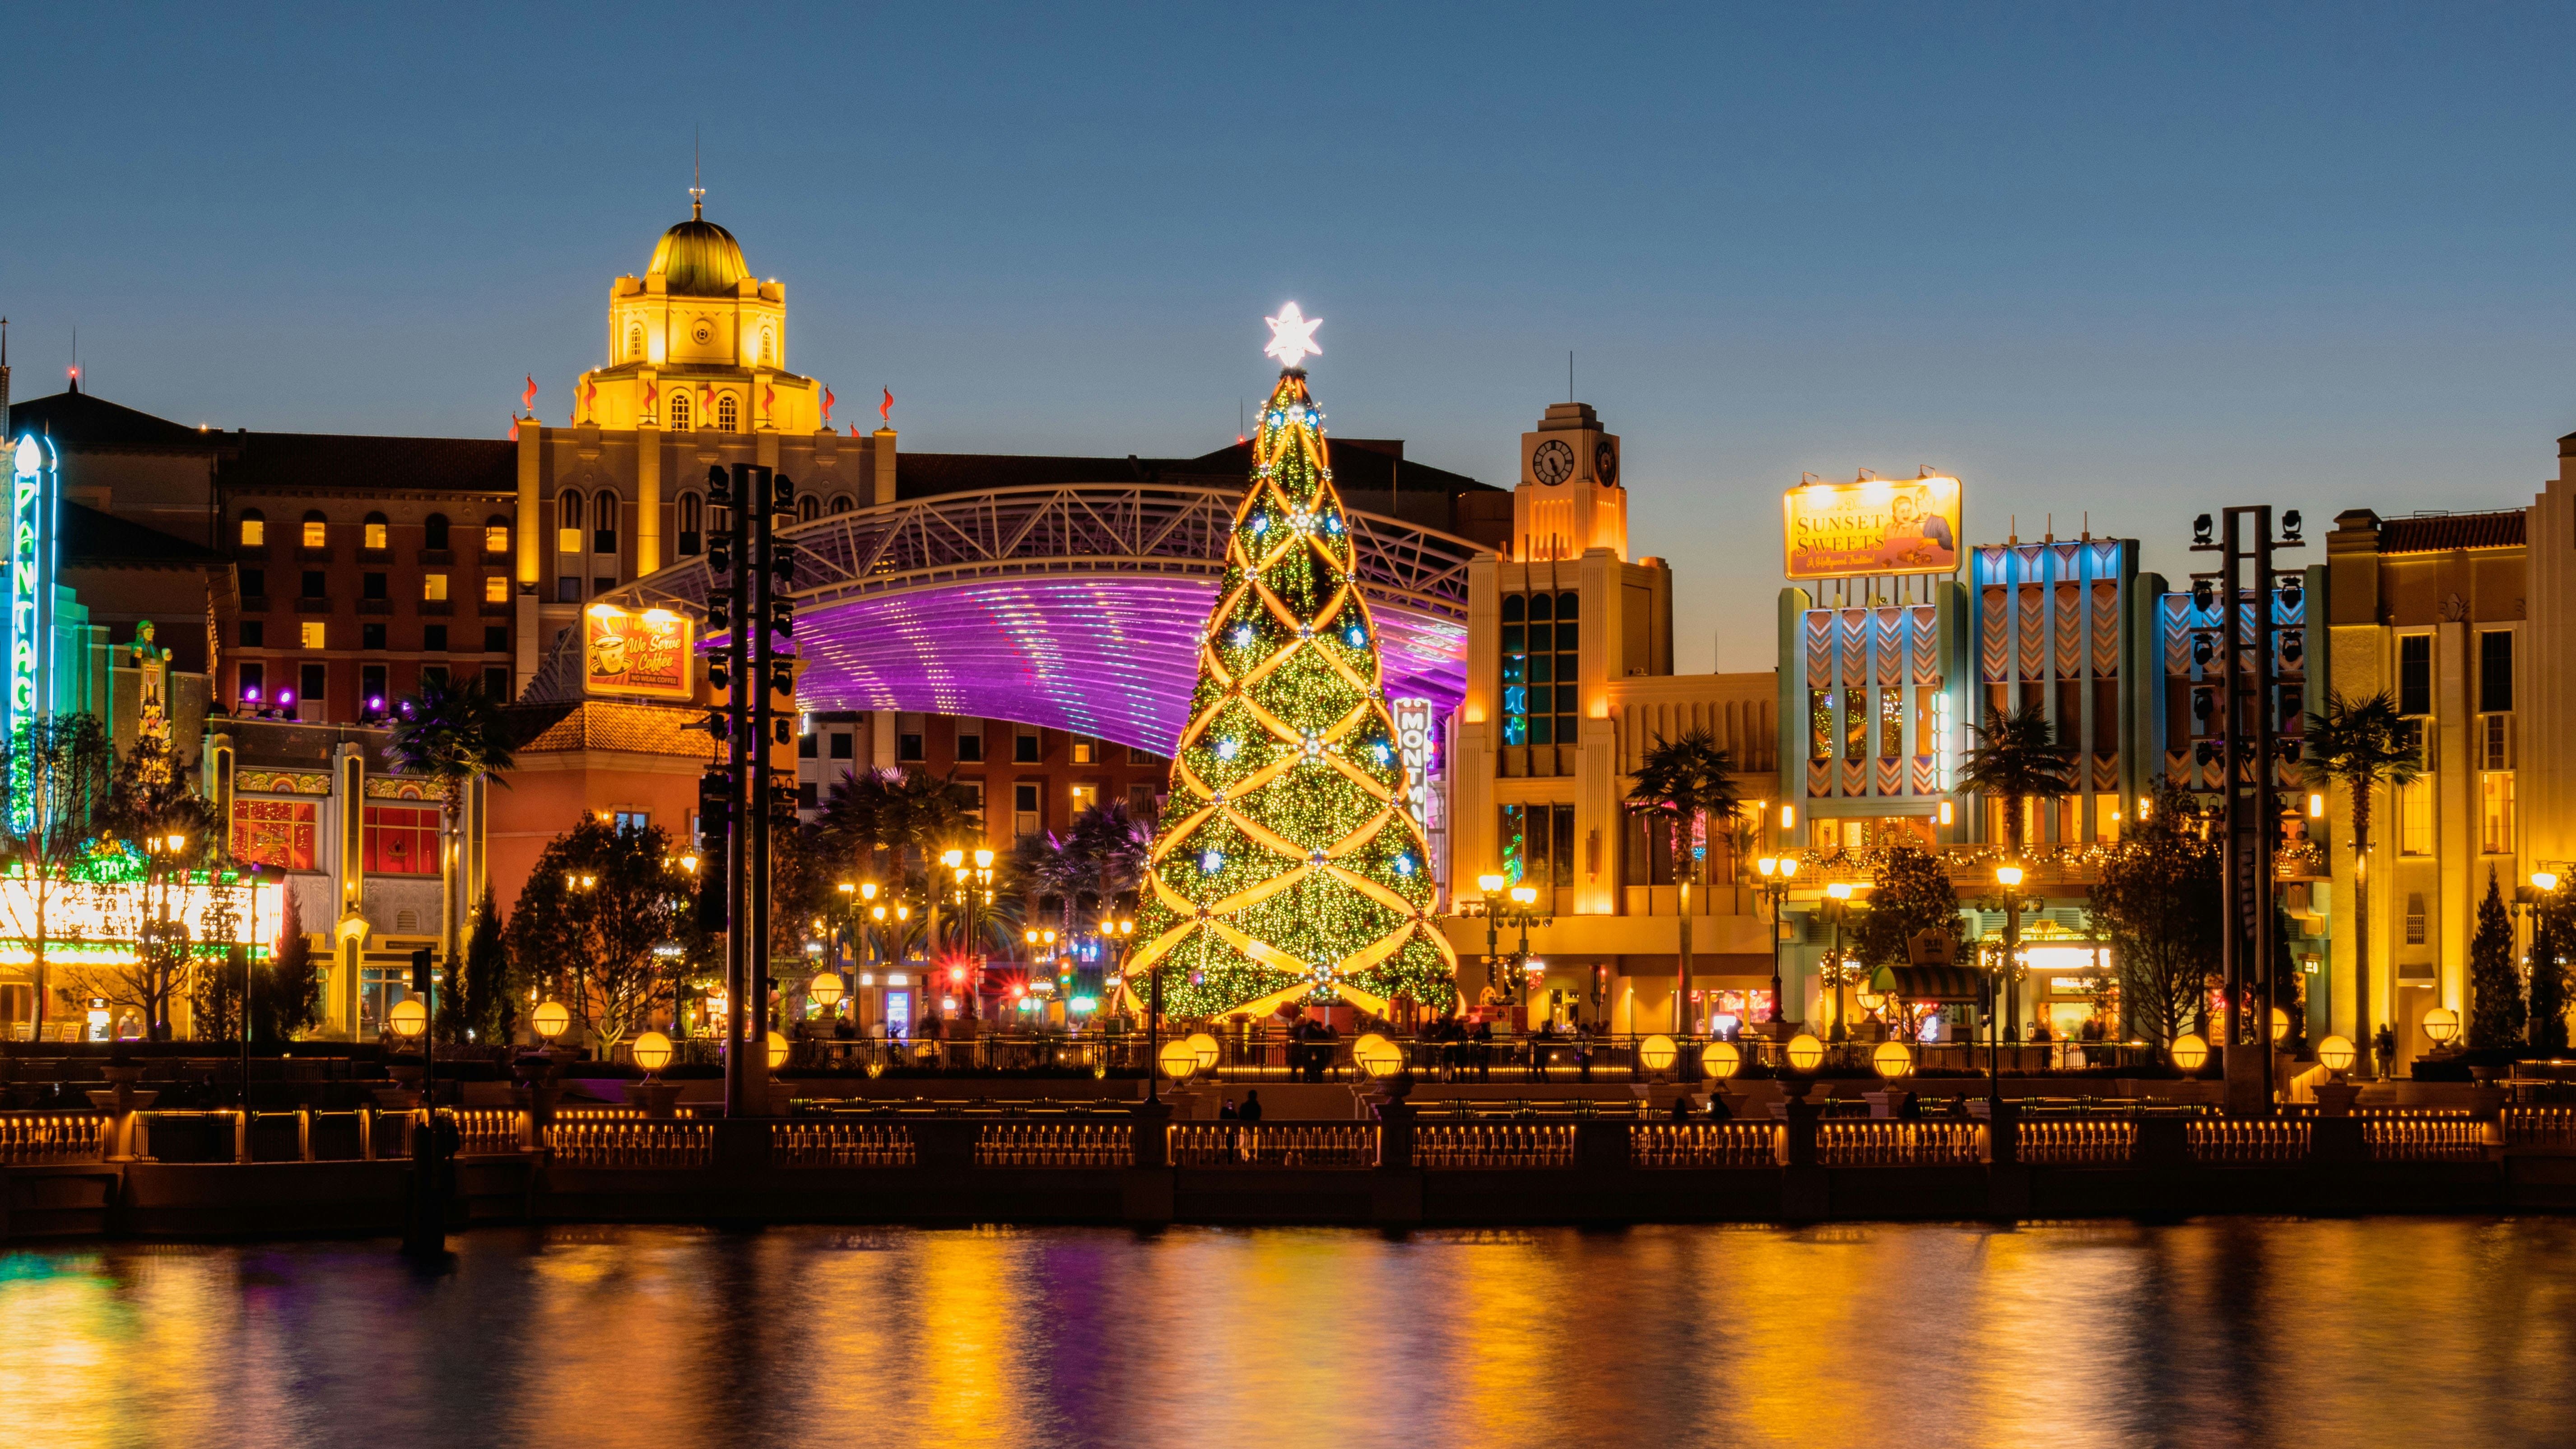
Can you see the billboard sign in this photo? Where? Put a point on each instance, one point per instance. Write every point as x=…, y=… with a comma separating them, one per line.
x=642, y=654
x=1874, y=526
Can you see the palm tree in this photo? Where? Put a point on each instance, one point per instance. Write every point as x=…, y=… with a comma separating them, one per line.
x=2361, y=743
x=2015, y=759
x=1683, y=780
x=452, y=734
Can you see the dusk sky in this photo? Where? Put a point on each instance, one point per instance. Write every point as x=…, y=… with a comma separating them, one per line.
x=2137, y=263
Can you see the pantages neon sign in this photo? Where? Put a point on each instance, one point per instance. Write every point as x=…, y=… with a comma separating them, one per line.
x=34, y=475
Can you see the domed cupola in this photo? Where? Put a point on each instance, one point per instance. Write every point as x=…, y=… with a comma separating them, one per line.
x=698, y=258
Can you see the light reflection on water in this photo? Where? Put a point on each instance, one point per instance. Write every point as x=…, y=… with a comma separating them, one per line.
x=2352, y=1333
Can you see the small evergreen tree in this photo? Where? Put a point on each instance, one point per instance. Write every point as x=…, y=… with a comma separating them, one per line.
x=2495, y=996
x=483, y=1005
x=2550, y=947
x=286, y=999
x=1914, y=894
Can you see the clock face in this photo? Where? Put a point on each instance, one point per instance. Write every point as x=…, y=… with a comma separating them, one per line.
x=1605, y=463
x=1553, y=462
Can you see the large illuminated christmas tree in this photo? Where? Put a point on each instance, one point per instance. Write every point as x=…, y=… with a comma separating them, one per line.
x=1287, y=868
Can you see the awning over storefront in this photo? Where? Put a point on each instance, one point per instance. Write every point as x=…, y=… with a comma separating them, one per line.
x=1936, y=983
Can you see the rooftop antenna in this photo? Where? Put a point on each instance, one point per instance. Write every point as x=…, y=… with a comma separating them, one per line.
x=1569, y=374
x=2012, y=528
x=697, y=191
x=2052, y=528
x=1238, y=420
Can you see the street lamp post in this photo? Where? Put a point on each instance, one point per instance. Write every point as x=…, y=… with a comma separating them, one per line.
x=2008, y=875
x=1838, y=905
x=1777, y=872
x=1492, y=885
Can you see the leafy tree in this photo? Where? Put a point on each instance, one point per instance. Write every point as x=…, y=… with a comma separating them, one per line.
x=450, y=734
x=2016, y=759
x=2553, y=944
x=57, y=775
x=2361, y=744
x=1681, y=782
x=1914, y=894
x=593, y=922
x=2160, y=903
x=170, y=832
x=2495, y=992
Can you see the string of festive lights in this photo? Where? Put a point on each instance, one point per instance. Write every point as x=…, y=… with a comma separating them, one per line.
x=1287, y=868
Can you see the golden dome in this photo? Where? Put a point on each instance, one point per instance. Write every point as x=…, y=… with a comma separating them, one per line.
x=698, y=258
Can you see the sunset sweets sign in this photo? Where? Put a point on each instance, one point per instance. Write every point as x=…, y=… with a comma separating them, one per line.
x=1872, y=526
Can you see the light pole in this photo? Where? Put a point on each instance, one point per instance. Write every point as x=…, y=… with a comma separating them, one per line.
x=974, y=888
x=1777, y=872
x=1838, y=905
x=1492, y=885
x=166, y=851
x=2009, y=875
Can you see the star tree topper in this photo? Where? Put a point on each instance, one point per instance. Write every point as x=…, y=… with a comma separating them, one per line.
x=1292, y=336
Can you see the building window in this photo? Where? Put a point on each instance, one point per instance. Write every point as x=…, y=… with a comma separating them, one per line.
x=496, y=536
x=254, y=528
x=841, y=503
x=254, y=633
x=693, y=513
x=401, y=840
x=567, y=589
x=768, y=349
x=317, y=532
x=496, y=683
x=2415, y=816
x=840, y=744
x=809, y=795
x=254, y=681
x=1024, y=810
x=602, y=583
x=432, y=674
x=679, y=411
x=434, y=531
x=970, y=743
x=728, y=420
x=254, y=583
x=2495, y=670
x=1927, y=721
x=1820, y=724
x=808, y=508
x=2106, y=817
x=315, y=585
x=309, y=693
x=373, y=585
x=972, y=792
x=1084, y=797
x=1140, y=802
x=1855, y=725
x=1024, y=748
x=371, y=636
x=496, y=589
x=568, y=524
x=496, y=638
x=1085, y=752
x=630, y=822
x=634, y=341
x=1891, y=723
x=907, y=749
x=808, y=745
x=2415, y=674
x=374, y=533
x=1540, y=655
x=2415, y=932
x=433, y=638
x=603, y=521
x=313, y=636
x=278, y=833
x=2495, y=811
x=1536, y=848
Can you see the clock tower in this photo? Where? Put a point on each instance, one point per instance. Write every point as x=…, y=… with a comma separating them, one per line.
x=1570, y=498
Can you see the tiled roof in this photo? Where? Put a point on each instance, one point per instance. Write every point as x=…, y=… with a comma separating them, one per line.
x=356, y=460
x=78, y=420
x=2500, y=529
x=602, y=724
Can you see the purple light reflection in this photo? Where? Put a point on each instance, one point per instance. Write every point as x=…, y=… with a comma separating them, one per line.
x=1114, y=658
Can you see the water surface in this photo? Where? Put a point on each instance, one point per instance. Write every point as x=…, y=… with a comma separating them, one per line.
x=2420, y=1332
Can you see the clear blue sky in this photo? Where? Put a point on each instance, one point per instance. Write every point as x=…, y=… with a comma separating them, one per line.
x=2136, y=262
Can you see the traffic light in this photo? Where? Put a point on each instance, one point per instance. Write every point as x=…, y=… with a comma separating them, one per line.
x=420, y=972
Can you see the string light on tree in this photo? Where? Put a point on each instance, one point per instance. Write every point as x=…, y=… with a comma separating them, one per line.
x=1287, y=867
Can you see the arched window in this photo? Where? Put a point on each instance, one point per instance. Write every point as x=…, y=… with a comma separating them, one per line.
x=604, y=523
x=254, y=528
x=571, y=505
x=317, y=530
x=635, y=342
x=496, y=536
x=809, y=508
x=679, y=411
x=693, y=512
x=768, y=349
x=841, y=503
x=434, y=531
x=374, y=534
x=727, y=420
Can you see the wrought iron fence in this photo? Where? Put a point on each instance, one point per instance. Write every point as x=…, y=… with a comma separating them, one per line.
x=1273, y=1144
x=35, y=1138
x=1703, y=1144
